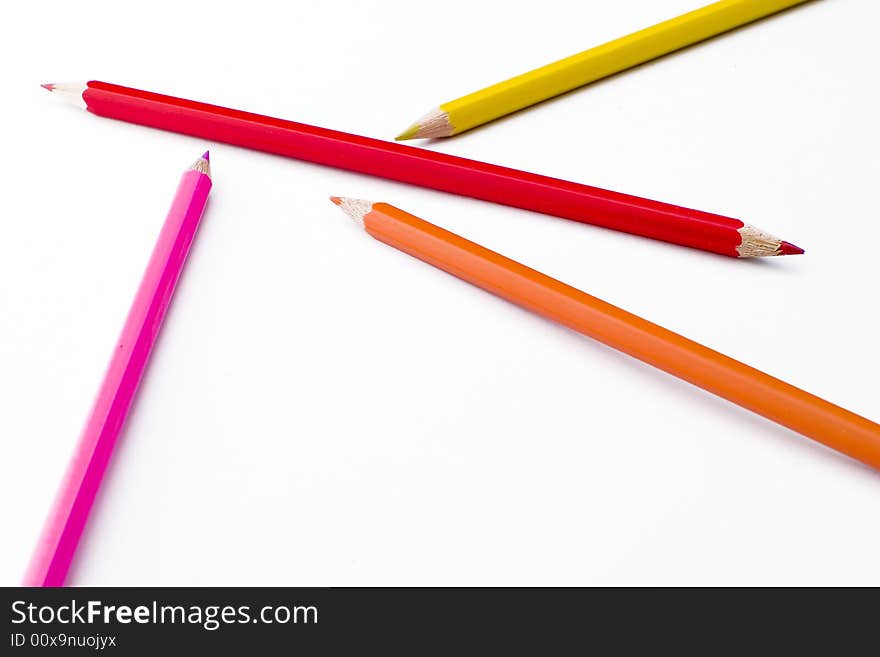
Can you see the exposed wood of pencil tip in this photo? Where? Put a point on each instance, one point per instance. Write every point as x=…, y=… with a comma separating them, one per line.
x=203, y=164
x=355, y=208
x=435, y=123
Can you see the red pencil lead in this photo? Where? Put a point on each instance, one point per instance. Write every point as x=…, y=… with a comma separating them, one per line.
x=49, y=85
x=787, y=248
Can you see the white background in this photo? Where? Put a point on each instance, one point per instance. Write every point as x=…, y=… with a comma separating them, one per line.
x=321, y=409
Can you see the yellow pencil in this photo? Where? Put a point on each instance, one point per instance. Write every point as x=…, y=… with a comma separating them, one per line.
x=594, y=64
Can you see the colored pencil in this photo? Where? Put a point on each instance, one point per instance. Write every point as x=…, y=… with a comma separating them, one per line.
x=418, y=166
x=55, y=551
x=586, y=67
x=765, y=395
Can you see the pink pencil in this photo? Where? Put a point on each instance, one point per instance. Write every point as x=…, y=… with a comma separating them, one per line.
x=52, y=558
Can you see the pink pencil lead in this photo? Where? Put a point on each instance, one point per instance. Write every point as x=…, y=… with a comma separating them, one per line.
x=206, y=156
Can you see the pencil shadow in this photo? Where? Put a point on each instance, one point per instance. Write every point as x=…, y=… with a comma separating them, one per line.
x=773, y=262
x=610, y=79
x=121, y=448
x=750, y=423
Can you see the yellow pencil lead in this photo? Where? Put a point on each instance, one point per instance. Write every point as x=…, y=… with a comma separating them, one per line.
x=409, y=133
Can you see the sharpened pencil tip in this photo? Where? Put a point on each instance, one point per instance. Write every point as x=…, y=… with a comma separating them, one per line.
x=787, y=248
x=355, y=208
x=70, y=91
x=434, y=124
x=202, y=165
x=206, y=156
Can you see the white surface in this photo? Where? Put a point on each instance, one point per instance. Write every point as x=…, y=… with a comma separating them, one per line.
x=323, y=410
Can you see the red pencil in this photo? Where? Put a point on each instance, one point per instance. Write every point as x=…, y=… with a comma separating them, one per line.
x=417, y=166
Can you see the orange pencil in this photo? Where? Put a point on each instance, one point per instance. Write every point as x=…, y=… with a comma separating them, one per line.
x=761, y=393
